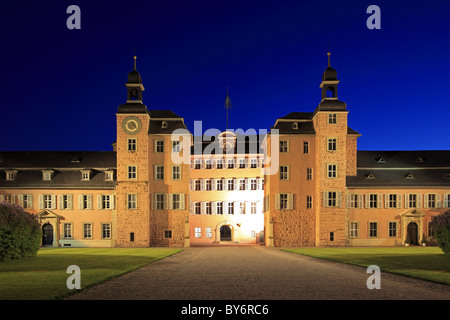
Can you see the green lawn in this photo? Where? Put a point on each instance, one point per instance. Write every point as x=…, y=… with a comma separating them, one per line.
x=44, y=276
x=427, y=263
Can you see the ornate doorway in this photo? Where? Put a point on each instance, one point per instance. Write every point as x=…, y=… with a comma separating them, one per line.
x=412, y=233
x=225, y=233
x=47, y=234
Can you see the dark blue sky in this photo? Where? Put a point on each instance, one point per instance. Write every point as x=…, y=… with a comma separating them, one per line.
x=60, y=88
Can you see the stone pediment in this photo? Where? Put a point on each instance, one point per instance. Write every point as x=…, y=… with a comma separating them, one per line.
x=48, y=214
x=413, y=213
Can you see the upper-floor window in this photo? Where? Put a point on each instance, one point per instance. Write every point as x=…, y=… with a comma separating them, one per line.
x=332, y=118
x=309, y=173
x=284, y=173
x=219, y=164
x=176, y=146
x=332, y=144
x=305, y=147
x=284, y=146
x=159, y=172
x=132, y=144
x=132, y=172
x=159, y=146
x=332, y=170
x=230, y=163
x=176, y=172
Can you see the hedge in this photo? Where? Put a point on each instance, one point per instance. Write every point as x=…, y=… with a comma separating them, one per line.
x=441, y=229
x=20, y=232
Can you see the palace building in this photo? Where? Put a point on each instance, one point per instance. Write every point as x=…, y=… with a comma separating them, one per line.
x=304, y=183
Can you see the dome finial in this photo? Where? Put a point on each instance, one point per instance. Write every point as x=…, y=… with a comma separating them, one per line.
x=329, y=54
x=134, y=57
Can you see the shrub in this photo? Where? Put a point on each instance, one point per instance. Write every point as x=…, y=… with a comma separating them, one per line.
x=20, y=232
x=441, y=228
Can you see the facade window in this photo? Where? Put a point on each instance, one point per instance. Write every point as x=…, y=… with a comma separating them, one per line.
x=219, y=164
x=412, y=200
x=308, y=202
x=167, y=234
x=305, y=147
x=106, y=202
x=159, y=172
x=176, y=172
x=219, y=184
x=284, y=146
x=106, y=231
x=48, y=201
x=208, y=164
x=198, y=208
x=198, y=232
x=331, y=236
x=392, y=200
x=159, y=201
x=332, y=197
x=354, y=229
x=198, y=164
x=283, y=201
x=332, y=144
x=253, y=163
x=373, y=229
x=309, y=174
x=132, y=201
x=253, y=184
x=392, y=229
x=447, y=200
x=242, y=207
x=131, y=236
x=27, y=201
x=84, y=201
x=176, y=201
x=241, y=163
x=208, y=232
x=132, y=172
x=132, y=144
x=159, y=146
x=230, y=209
x=219, y=208
x=373, y=201
x=242, y=184
x=208, y=208
x=332, y=118
x=332, y=170
x=176, y=146
x=208, y=185
x=230, y=163
x=253, y=207
x=230, y=185
x=354, y=201
x=197, y=185
x=431, y=200
x=67, y=227
x=430, y=229
x=284, y=173
x=87, y=230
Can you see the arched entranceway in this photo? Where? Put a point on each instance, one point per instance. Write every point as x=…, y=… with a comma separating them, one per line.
x=412, y=235
x=225, y=233
x=47, y=234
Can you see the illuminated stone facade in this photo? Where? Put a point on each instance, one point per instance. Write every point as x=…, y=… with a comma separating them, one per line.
x=302, y=184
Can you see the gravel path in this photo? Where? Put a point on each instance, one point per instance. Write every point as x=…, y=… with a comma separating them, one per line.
x=255, y=273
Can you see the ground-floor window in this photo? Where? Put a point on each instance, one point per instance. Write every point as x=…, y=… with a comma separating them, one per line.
x=354, y=229
x=392, y=229
x=208, y=232
x=198, y=232
x=373, y=229
x=106, y=231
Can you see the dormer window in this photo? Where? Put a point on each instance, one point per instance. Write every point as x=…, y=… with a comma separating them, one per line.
x=11, y=175
x=109, y=175
x=47, y=175
x=85, y=175
x=295, y=125
x=370, y=176
x=164, y=124
x=410, y=176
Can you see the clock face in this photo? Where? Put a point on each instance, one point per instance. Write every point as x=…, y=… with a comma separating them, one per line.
x=131, y=125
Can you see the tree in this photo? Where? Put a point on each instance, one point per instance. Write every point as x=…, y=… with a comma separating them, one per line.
x=20, y=232
x=441, y=229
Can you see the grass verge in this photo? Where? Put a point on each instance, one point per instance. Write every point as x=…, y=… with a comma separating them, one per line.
x=428, y=263
x=44, y=276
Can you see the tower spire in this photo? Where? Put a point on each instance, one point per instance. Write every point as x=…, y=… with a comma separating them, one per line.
x=134, y=57
x=227, y=106
x=329, y=54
